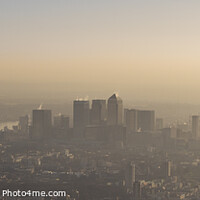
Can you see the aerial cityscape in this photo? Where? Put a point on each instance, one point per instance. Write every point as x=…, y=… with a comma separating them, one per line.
x=109, y=153
x=99, y=100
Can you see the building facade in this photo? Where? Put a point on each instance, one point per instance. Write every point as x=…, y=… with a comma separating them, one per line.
x=41, y=123
x=115, y=110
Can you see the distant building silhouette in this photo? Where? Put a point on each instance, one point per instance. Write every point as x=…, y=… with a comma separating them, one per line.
x=81, y=113
x=115, y=110
x=98, y=112
x=61, y=122
x=41, y=123
x=131, y=120
x=159, y=123
x=167, y=165
x=130, y=176
x=195, y=126
x=146, y=120
x=23, y=124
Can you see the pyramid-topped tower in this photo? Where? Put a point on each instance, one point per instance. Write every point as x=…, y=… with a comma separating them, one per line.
x=115, y=110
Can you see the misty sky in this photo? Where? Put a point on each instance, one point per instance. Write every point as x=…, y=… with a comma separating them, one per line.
x=144, y=49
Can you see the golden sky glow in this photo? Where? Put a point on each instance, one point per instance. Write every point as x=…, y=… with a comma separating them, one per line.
x=139, y=48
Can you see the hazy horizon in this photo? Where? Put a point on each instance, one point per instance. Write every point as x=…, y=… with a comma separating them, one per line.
x=146, y=51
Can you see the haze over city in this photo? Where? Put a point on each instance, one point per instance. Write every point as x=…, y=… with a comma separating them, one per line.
x=99, y=100
x=145, y=50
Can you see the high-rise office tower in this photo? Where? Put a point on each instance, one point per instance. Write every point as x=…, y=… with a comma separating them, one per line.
x=159, y=123
x=61, y=122
x=23, y=124
x=130, y=119
x=130, y=176
x=167, y=165
x=146, y=120
x=98, y=112
x=195, y=126
x=81, y=113
x=41, y=123
x=115, y=110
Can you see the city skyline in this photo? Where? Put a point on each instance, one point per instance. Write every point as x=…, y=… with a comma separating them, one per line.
x=99, y=99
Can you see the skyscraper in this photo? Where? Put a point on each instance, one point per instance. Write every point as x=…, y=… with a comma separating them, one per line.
x=41, y=123
x=81, y=113
x=159, y=123
x=146, y=120
x=130, y=176
x=195, y=126
x=98, y=112
x=61, y=122
x=115, y=110
x=130, y=119
x=23, y=124
x=167, y=165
